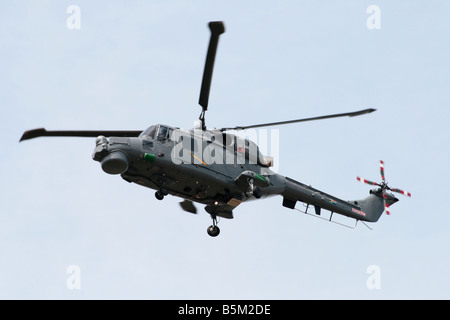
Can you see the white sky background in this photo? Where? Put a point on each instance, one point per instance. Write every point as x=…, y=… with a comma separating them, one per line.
x=137, y=63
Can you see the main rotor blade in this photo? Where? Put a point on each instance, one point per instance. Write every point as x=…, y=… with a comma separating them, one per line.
x=217, y=28
x=41, y=132
x=347, y=114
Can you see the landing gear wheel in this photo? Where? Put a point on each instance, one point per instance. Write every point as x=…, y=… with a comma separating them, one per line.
x=257, y=192
x=159, y=195
x=213, y=231
x=163, y=191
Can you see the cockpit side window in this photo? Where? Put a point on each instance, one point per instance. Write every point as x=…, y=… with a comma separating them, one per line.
x=147, y=144
x=149, y=132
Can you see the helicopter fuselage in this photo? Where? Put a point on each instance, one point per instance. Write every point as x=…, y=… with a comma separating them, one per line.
x=217, y=170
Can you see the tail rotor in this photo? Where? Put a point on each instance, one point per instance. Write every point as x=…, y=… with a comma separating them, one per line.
x=384, y=186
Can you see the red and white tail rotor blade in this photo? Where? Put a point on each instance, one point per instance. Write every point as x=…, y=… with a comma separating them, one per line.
x=406, y=193
x=386, y=198
x=382, y=169
x=386, y=206
x=367, y=181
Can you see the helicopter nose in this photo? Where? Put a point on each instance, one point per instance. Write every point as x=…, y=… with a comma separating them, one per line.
x=115, y=163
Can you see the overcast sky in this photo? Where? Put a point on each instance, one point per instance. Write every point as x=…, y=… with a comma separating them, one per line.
x=131, y=64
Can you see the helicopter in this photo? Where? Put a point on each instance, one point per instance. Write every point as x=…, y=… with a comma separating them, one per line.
x=214, y=167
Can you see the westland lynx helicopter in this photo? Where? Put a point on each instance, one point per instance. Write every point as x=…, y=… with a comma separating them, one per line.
x=215, y=168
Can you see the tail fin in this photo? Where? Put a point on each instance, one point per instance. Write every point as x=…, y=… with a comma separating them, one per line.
x=374, y=205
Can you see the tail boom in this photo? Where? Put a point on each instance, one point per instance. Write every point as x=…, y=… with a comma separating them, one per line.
x=368, y=209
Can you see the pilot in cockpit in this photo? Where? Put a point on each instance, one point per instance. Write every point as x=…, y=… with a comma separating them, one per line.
x=162, y=133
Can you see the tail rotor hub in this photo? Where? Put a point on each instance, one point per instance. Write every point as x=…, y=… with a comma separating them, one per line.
x=384, y=186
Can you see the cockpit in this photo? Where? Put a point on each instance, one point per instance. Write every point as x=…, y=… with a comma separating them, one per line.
x=159, y=132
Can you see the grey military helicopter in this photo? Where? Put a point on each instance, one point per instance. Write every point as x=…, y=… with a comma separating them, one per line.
x=215, y=168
